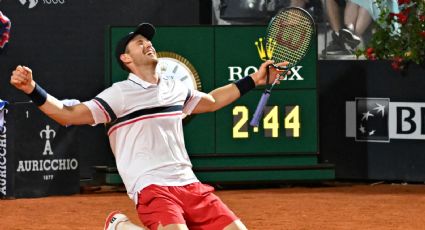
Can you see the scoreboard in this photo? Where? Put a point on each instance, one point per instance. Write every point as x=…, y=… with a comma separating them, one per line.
x=221, y=55
x=285, y=126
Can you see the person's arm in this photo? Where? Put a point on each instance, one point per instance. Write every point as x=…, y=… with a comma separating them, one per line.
x=227, y=94
x=78, y=114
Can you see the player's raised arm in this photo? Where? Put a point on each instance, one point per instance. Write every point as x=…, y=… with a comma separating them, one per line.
x=79, y=114
x=227, y=94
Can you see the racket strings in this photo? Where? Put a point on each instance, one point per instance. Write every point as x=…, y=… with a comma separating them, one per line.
x=290, y=33
x=294, y=30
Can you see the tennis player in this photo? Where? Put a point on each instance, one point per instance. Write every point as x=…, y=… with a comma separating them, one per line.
x=144, y=118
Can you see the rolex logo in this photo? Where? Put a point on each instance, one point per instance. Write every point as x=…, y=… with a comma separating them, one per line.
x=265, y=51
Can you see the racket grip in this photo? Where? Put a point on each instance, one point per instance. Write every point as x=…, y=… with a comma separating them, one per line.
x=260, y=108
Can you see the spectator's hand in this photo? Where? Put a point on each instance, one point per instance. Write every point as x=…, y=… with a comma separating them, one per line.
x=260, y=77
x=22, y=79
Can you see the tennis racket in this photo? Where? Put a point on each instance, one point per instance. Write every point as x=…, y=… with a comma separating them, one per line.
x=289, y=35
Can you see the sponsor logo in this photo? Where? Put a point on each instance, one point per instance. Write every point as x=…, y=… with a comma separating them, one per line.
x=379, y=120
x=33, y=3
x=3, y=159
x=238, y=72
x=264, y=52
x=47, y=165
x=113, y=219
x=47, y=133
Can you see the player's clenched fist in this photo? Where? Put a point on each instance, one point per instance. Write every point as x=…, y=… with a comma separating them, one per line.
x=22, y=79
x=259, y=77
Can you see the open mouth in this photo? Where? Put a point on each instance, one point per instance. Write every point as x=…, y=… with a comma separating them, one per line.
x=150, y=52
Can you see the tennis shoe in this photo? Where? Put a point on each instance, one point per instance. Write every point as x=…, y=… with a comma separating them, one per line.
x=336, y=46
x=350, y=38
x=113, y=219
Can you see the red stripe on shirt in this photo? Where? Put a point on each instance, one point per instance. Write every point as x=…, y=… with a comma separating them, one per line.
x=142, y=118
x=108, y=118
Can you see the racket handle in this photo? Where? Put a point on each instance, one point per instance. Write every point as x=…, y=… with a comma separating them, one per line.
x=260, y=108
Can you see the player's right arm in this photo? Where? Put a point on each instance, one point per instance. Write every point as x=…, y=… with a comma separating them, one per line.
x=78, y=114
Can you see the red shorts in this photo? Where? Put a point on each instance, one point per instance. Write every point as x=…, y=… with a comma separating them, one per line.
x=194, y=205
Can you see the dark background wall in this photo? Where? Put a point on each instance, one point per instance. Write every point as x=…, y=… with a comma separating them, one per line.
x=342, y=81
x=64, y=46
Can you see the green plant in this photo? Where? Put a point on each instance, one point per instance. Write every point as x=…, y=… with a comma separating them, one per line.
x=399, y=37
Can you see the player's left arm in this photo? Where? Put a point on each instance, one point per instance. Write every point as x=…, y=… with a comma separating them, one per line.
x=222, y=96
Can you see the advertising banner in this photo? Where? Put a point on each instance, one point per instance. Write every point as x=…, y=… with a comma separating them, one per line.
x=38, y=156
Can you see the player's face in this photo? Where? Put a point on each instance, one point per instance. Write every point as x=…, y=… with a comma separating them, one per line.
x=141, y=51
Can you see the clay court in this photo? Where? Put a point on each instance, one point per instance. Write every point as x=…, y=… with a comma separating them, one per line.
x=335, y=206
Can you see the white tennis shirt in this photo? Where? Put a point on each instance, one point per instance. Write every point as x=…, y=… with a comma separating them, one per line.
x=145, y=130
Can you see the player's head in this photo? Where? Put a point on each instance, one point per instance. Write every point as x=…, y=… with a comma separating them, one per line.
x=144, y=32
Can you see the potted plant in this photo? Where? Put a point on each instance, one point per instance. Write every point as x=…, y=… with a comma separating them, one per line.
x=398, y=37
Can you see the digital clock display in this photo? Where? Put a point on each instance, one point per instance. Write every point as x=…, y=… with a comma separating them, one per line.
x=286, y=125
x=271, y=121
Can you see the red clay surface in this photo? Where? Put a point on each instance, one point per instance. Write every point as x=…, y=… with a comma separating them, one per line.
x=382, y=206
